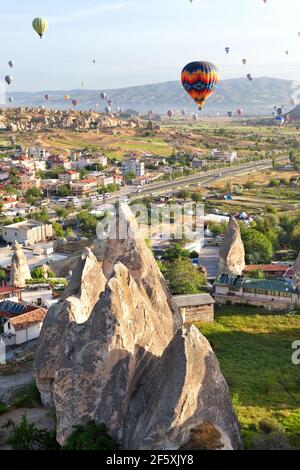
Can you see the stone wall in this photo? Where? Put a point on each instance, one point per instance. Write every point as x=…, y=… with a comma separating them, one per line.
x=204, y=313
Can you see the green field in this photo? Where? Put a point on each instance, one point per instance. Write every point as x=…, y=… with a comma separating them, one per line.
x=254, y=349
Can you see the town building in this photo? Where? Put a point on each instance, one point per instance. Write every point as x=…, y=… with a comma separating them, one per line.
x=85, y=161
x=224, y=156
x=38, y=152
x=133, y=165
x=28, y=232
x=271, y=294
x=195, y=308
x=28, y=181
x=84, y=187
x=68, y=176
x=269, y=270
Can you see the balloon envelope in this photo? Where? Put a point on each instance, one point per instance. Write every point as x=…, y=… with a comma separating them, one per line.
x=199, y=79
x=40, y=25
x=8, y=79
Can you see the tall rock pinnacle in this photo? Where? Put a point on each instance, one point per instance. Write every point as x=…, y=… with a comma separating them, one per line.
x=232, y=251
x=114, y=350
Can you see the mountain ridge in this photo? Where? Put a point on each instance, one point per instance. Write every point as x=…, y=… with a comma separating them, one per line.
x=257, y=97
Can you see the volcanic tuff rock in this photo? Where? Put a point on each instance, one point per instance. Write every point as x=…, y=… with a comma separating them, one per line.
x=296, y=276
x=232, y=251
x=20, y=271
x=114, y=350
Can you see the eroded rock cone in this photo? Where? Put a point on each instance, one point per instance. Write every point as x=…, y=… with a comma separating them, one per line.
x=131, y=364
x=20, y=271
x=232, y=251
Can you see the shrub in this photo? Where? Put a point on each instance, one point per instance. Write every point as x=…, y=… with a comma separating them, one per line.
x=3, y=408
x=26, y=436
x=28, y=396
x=270, y=425
x=271, y=441
x=90, y=437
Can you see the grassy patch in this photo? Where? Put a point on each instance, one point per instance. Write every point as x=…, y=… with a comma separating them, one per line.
x=254, y=350
x=27, y=397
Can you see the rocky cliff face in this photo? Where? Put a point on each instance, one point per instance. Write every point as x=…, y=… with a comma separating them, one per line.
x=20, y=271
x=114, y=350
x=232, y=251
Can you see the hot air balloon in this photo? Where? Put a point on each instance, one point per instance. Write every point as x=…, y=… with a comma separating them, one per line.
x=150, y=114
x=66, y=97
x=83, y=84
x=9, y=79
x=195, y=117
x=75, y=102
x=40, y=25
x=244, y=61
x=10, y=99
x=279, y=111
x=249, y=76
x=279, y=120
x=46, y=97
x=199, y=79
x=230, y=114
x=293, y=101
x=94, y=61
x=11, y=63
x=109, y=102
x=183, y=112
x=107, y=109
x=239, y=112
x=103, y=95
x=170, y=114
x=227, y=50
x=287, y=52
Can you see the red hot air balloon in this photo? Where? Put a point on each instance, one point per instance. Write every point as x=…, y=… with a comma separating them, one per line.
x=199, y=79
x=239, y=112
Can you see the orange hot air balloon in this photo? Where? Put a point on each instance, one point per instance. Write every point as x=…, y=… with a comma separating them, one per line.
x=199, y=79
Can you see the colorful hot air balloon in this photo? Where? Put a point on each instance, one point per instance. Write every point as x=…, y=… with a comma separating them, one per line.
x=11, y=63
x=279, y=111
x=83, y=84
x=46, y=97
x=9, y=79
x=103, y=95
x=66, y=97
x=94, y=61
x=227, y=50
x=75, y=102
x=293, y=101
x=199, y=79
x=40, y=25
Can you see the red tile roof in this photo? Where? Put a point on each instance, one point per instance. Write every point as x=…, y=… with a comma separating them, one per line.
x=28, y=319
x=266, y=267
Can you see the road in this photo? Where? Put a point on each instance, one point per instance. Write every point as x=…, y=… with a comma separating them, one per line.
x=204, y=178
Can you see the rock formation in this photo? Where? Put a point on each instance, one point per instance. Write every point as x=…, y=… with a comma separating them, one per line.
x=296, y=272
x=232, y=251
x=114, y=350
x=20, y=271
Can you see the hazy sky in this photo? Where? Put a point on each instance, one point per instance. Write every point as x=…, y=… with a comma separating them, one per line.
x=145, y=41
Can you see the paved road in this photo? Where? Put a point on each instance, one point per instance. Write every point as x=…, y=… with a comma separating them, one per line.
x=209, y=258
x=10, y=383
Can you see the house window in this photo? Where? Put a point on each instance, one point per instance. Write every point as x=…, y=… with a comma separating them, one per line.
x=39, y=302
x=8, y=325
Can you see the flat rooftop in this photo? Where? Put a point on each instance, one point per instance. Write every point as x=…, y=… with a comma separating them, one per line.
x=27, y=224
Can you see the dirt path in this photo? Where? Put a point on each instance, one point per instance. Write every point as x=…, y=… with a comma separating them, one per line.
x=42, y=417
x=10, y=383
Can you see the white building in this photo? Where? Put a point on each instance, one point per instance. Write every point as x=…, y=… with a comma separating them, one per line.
x=23, y=328
x=28, y=232
x=223, y=156
x=39, y=153
x=132, y=165
x=89, y=160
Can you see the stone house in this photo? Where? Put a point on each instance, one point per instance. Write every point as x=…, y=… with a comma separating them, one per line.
x=194, y=308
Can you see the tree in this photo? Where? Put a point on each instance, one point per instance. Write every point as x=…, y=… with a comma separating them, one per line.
x=58, y=230
x=197, y=197
x=183, y=277
x=61, y=212
x=26, y=436
x=33, y=193
x=63, y=191
x=130, y=176
x=258, y=247
x=175, y=252
x=90, y=437
x=184, y=194
x=2, y=275
x=256, y=274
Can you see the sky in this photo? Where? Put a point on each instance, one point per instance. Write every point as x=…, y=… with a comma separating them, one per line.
x=136, y=42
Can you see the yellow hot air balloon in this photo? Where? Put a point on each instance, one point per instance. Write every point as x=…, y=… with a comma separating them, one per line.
x=40, y=25
x=67, y=97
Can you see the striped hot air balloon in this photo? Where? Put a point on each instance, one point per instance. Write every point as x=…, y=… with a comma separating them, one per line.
x=40, y=25
x=199, y=79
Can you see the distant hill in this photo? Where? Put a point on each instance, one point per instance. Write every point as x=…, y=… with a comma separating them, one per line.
x=256, y=97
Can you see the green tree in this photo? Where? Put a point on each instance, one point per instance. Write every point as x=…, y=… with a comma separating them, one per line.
x=58, y=229
x=26, y=436
x=197, y=197
x=2, y=275
x=184, y=194
x=183, y=277
x=63, y=191
x=258, y=247
x=90, y=437
x=256, y=274
x=175, y=252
